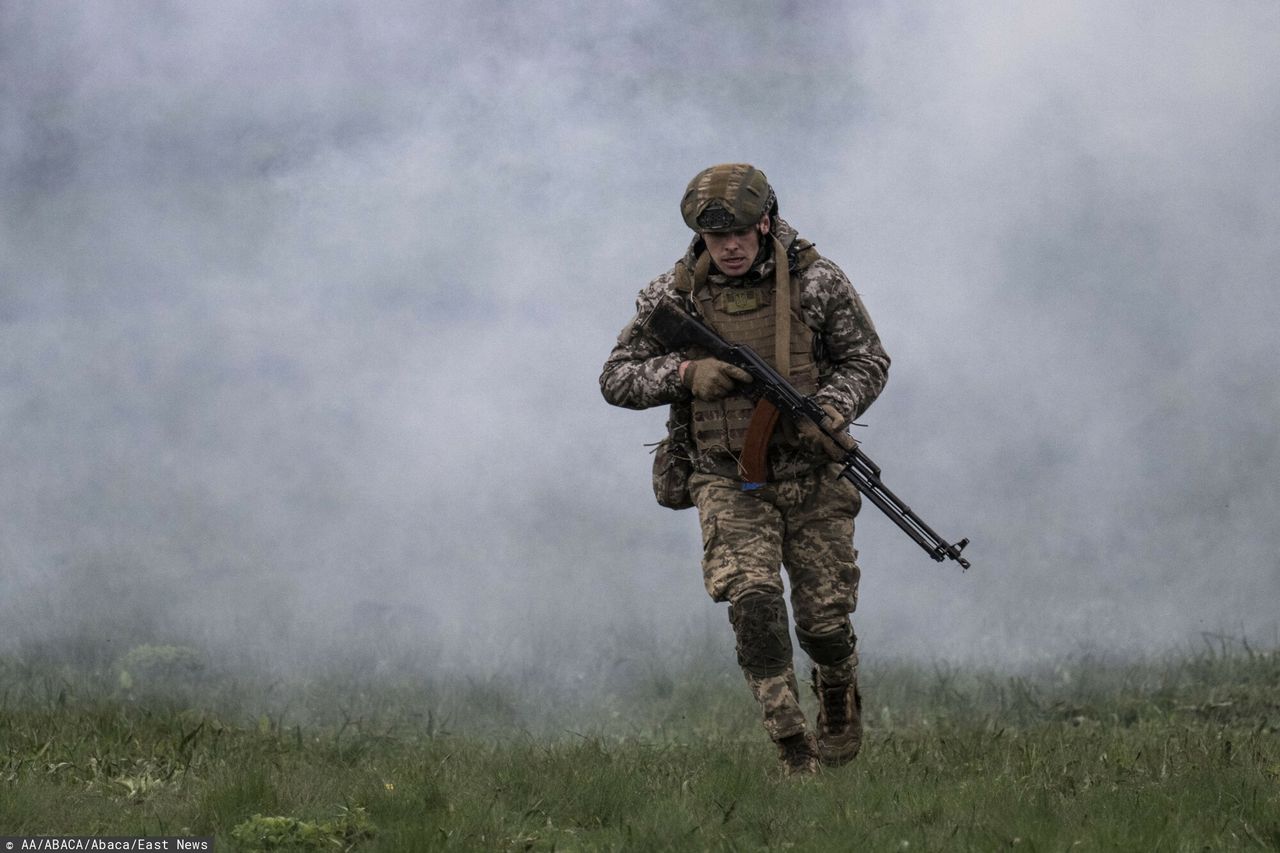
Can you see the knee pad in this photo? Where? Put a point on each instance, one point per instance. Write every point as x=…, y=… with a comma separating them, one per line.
x=828, y=649
x=759, y=622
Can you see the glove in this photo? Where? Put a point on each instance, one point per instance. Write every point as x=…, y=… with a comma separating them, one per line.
x=712, y=379
x=814, y=439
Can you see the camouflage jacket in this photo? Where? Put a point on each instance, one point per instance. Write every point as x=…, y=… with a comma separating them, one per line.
x=852, y=365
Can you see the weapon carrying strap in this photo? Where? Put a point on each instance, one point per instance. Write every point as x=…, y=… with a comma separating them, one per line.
x=755, y=445
x=690, y=281
x=782, y=308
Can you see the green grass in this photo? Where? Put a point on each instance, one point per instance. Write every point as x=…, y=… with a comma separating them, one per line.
x=1176, y=754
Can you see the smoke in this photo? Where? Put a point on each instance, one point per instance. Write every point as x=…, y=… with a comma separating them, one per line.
x=302, y=308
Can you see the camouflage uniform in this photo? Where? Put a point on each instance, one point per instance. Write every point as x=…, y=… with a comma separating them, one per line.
x=803, y=517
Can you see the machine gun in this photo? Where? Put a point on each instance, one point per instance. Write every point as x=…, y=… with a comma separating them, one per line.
x=676, y=329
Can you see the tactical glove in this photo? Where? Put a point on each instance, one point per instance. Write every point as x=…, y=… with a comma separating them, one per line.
x=816, y=440
x=712, y=379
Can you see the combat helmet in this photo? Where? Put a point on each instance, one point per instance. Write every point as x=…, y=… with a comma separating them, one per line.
x=727, y=197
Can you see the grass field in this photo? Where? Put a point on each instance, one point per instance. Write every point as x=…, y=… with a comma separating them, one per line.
x=1181, y=753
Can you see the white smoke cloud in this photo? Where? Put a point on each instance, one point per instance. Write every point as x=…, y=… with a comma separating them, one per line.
x=303, y=306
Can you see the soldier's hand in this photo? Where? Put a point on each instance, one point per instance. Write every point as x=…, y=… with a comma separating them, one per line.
x=712, y=379
x=816, y=440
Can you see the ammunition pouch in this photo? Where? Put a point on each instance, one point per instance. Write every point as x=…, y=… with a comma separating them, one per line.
x=673, y=463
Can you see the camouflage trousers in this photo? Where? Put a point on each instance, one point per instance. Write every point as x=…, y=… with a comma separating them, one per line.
x=804, y=524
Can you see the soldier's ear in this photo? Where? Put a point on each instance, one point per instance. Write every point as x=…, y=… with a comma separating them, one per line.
x=763, y=225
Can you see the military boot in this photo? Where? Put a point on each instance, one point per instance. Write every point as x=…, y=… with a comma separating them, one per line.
x=839, y=720
x=799, y=755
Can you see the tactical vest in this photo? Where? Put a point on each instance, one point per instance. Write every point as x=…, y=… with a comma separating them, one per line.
x=746, y=314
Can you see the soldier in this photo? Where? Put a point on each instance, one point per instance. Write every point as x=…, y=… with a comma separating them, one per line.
x=767, y=496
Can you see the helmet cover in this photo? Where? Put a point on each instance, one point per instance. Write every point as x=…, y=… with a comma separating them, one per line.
x=727, y=197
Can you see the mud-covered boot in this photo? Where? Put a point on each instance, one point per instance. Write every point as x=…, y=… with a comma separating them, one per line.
x=839, y=720
x=799, y=755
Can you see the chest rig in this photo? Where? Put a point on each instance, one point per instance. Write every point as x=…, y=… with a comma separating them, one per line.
x=765, y=315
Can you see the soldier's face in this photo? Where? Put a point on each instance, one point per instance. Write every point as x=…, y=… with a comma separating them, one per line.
x=734, y=251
